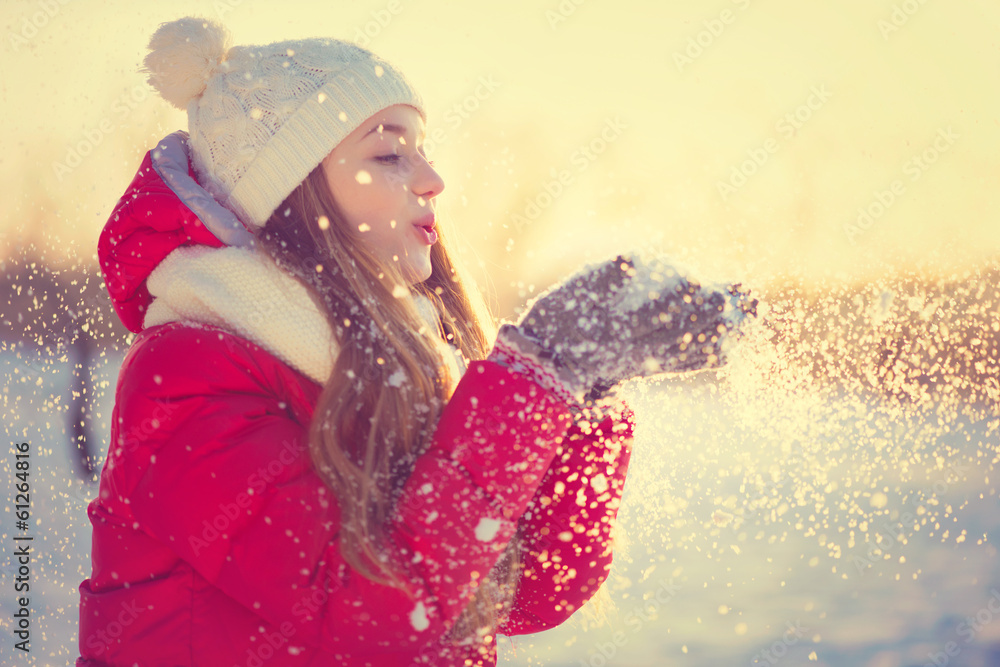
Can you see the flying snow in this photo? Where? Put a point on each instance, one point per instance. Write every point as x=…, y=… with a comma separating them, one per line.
x=487, y=529
x=418, y=618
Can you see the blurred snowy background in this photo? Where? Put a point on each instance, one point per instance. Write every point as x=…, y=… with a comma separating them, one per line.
x=829, y=500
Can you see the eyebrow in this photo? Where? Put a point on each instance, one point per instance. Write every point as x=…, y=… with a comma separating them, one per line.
x=386, y=127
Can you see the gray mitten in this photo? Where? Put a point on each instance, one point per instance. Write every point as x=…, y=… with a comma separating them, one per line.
x=625, y=318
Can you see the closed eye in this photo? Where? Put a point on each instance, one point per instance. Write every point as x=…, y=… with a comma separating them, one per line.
x=395, y=158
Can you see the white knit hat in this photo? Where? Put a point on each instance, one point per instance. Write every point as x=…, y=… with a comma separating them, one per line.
x=260, y=118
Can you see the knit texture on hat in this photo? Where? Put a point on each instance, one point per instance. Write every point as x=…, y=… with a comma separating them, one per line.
x=260, y=118
x=243, y=291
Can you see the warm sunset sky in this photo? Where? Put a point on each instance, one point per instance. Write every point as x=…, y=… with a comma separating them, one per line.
x=888, y=82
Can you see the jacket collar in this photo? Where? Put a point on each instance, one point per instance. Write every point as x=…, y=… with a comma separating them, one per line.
x=242, y=290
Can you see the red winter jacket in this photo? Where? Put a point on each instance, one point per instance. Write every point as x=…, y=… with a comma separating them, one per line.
x=216, y=543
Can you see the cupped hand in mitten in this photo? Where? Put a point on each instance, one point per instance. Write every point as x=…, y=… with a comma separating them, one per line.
x=629, y=317
x=699, y=326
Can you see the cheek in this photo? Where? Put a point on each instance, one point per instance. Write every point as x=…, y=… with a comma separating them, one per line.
x=389, y=236
x=354, y=203
x=382, y=211
x=369, y=208
x=359, y=197
x=381, y=238
x=375, y=203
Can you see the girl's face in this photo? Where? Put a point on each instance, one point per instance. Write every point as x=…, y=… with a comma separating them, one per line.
x=385, y=188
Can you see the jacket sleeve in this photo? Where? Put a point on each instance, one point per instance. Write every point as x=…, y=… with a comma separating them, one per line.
x=566, y=552
x=224, y=478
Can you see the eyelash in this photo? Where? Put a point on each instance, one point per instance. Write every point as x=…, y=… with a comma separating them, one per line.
x=394, y=158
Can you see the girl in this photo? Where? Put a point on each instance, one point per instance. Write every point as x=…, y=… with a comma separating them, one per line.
x=322, y=450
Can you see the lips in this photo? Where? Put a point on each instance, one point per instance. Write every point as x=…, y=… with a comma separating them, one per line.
x=425, y=229
x=426, y=221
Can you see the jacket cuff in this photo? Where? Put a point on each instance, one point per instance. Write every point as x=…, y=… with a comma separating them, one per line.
x=525, y=356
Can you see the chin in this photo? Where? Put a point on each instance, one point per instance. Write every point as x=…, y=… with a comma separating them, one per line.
x=419, y=274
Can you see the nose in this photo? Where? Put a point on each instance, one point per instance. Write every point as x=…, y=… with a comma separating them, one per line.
x=427, y=183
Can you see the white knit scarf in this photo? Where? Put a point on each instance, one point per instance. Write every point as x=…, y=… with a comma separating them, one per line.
x=243, y=291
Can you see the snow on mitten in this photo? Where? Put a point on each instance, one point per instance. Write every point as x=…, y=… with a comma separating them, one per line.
x=621, y=319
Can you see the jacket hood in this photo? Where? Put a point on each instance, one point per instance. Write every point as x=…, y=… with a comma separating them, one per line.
x=163, y=208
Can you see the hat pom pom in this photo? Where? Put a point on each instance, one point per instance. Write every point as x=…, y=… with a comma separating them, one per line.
x=183, y=55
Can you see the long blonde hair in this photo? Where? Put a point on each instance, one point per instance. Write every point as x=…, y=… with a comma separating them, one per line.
x=366, y=432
